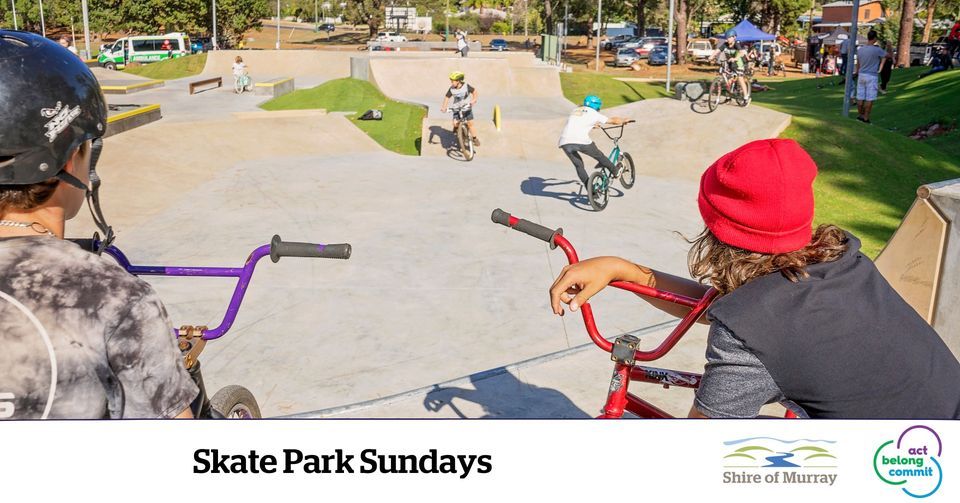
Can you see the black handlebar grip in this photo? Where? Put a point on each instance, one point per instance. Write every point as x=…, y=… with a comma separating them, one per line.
x=527, y=227
x=85, y=244
x=280, y=249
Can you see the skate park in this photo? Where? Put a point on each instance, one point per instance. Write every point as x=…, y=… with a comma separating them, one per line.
x=439, y=312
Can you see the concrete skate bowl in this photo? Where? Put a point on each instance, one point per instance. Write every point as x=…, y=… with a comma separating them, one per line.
x=308, y=67
x=519, y=84
x=922, y=259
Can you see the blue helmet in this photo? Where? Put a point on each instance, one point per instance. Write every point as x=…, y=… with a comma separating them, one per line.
x=593, y=101
x=730, y=33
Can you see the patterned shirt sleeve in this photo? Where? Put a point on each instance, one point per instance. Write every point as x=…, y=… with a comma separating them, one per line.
x=144, y=356
x=735, y=382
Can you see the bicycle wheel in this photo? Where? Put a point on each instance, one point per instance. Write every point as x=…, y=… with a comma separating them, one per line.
x=597, y=190
x=465, y=142
x=235, y=402
x=238, y=85
x=628, y=173
x=716, y=92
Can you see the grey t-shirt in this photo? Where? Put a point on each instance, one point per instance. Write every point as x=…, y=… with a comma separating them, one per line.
x=870, y=56
x=735, y=382
x=81, y=334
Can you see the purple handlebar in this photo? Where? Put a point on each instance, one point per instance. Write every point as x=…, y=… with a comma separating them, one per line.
x=277, y=249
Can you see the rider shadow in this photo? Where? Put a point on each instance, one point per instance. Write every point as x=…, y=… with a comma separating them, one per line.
x=536, y=186
x=701, y=106
x=502, y=395
x=448, y=141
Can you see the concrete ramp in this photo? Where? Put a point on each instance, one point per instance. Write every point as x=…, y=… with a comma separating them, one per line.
x=308, y=67
x=922, y=259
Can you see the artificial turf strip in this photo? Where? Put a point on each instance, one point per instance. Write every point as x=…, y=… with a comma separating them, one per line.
x=402, y=125
x=869, y=173
x=577, y=85
x=170, y=69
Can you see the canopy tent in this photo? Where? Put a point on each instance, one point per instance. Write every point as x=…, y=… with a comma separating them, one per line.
x=748, y=32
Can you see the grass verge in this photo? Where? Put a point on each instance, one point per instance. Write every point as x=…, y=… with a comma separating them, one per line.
x=399, y=131
x=869, y=173
x=577, y=85
x=170, y=69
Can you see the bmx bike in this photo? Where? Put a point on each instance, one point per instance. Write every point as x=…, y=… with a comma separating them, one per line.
x=724, y=87
x=241, y=83
x=624, y=350
x=464, y=139
x=598, y=184
x=232, y=401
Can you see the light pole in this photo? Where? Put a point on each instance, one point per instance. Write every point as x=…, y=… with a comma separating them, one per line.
x=670, y=44
x=215, y=45
x=446, y=26
x=86, y=28
x=14, y=6
x=43, y=25
x=599, y=24
x=278, y=24
x=316, y=20
x=848, y=57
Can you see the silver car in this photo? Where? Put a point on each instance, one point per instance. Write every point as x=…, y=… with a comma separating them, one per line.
x=626, y=56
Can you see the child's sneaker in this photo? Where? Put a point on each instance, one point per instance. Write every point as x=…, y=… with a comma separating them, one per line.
x=476, y=141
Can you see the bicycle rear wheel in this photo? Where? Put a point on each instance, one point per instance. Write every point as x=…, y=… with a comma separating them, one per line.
x=597, y=190
x=465, y=142
x=628, y=173
x=716, y=92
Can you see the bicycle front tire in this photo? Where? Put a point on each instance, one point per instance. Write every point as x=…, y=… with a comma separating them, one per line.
x=465, y=142
x=628, y=173
x=716, y=92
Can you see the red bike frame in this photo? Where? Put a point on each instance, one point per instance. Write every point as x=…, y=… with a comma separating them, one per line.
x=624, y=350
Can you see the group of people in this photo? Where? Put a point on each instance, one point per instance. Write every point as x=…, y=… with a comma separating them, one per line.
x=805, y=319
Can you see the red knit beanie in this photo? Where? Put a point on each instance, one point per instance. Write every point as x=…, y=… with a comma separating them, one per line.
x=760, y=197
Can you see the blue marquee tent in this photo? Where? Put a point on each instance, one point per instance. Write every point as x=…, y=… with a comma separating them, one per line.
x=748, y=32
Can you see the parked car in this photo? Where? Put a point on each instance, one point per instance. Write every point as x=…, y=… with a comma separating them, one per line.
x=498, y=44
x=327, y=27
x=612, y=43
x=700, y=50
x=658, y=56
x=390, y=36
x=649, y=43
x=626, y=56
x=632, y=43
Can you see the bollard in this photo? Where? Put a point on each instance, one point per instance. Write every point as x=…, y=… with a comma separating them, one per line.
x=496, y=116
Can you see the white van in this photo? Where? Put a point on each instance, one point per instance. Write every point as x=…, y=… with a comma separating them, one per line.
x=143, y=49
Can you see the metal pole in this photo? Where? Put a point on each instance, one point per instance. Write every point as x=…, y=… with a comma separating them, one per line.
x=278, y=24
x=215, y=45
x=851, y=49
x=446, y=21
x=316, y=20
x=526, y=17
x=14, y=6
x=597, y=38
x=43, y=24
x=86, y=29
x=73, y=33
x=670, y=44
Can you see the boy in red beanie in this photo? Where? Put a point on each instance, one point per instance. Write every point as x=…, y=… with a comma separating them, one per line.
x=804, y=318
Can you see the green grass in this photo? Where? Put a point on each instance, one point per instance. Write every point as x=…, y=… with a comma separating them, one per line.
x=169, y=69
x=869, y=173
x=577, y=85
x=399, y=131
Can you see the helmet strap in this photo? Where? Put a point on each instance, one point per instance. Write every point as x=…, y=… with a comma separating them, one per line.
x=93, y=200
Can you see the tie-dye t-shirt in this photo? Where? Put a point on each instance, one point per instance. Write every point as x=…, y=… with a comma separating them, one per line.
x=81, y=338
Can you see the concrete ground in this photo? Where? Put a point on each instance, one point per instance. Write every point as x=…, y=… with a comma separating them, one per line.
x=434, y=291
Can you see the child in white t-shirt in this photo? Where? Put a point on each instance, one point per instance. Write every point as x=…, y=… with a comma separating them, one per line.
x=575, y=138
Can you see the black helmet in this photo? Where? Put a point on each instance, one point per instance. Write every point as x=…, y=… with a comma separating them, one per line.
x=50, y=103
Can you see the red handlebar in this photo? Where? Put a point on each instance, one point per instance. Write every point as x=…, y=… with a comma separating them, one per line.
x=697, y=306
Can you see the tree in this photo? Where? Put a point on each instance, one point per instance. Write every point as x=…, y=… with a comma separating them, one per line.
x=236, y=17
x=368, y=12
x=643, y=7
x=681, y=13
x=928, y=27
x=906, y=32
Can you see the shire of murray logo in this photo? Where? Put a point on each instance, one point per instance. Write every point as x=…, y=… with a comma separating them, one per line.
x=768, y=460
x=911, y=462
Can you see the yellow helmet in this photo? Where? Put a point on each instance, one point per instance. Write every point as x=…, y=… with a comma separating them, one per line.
x=456, y=76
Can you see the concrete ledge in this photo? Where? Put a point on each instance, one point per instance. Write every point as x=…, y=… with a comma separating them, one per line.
x=274, y=87
x=91, y=63
x=424, y=46
x=128, y=88
x=126, y=121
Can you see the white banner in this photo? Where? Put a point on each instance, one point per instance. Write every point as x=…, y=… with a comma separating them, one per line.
x=495, y=460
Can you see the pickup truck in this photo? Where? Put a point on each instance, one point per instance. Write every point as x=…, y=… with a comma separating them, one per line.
x=700, y=50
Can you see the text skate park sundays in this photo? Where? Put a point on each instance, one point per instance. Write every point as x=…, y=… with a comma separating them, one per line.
x=337, y=461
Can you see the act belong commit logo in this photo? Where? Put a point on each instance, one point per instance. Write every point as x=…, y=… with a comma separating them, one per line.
x=911, y=462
